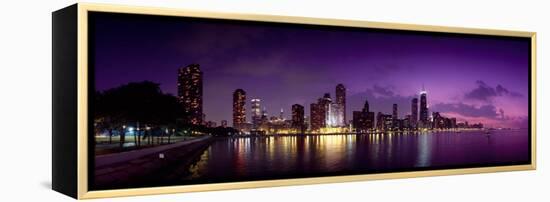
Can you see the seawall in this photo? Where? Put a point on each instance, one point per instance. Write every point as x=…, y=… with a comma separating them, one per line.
x=146, y=167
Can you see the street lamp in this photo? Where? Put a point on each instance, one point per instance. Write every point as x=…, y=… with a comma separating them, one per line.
x=136, y=136
x=122, y=136
x=148, y=134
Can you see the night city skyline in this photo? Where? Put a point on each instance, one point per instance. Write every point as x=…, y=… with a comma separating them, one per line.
x=471, y=78
x=181, y=101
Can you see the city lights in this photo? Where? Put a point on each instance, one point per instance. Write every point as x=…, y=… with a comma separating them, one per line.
x=327, y=116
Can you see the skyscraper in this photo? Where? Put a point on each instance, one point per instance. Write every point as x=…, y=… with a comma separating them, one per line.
x=335, y=115
x=423, y=106
x=363, y=120
x=394, y=116
x=190, y=93
x=394, y=112
x=239, y=111
x=341, y=100
x=324, y=107
x=298, y=118
x=414, y=112
x=356, y=121
x=320, y=112
x=366, y=106
x=316, y=116
x=407, y=121
x=369, y=120
x=256, y=113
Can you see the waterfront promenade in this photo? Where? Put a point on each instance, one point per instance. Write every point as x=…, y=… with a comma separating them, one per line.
x=142, y=166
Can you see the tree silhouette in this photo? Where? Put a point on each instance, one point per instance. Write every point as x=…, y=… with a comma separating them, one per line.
x=135, y=102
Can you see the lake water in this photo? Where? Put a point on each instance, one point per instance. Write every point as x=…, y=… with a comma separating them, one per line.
x=254, y=158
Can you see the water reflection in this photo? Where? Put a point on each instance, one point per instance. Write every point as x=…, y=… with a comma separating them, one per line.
x=424, y=148
x=240, y=158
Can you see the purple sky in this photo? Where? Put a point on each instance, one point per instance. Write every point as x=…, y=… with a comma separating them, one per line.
x=478, y=79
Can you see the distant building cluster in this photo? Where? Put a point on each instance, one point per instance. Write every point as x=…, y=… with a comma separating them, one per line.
x=418, y=119
x=327, y=115
x=261, y=123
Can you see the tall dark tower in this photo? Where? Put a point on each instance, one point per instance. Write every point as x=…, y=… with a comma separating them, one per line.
x=239, y=112
x=394, y=117
x=190, y=93
x=298, y=120
x=341, y=99
x=394, y=112
x=414, y=111
x=366, y=106
x=423, y=106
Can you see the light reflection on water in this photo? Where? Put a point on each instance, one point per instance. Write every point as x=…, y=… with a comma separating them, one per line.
x=241, y=158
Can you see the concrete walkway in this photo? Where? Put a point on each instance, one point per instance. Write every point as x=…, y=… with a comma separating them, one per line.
x=107, y=159
x=146, y=167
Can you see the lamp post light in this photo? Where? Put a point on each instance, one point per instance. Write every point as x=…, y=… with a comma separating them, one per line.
x=136, y=136
x=166, y=132
x=122, y=140
x=148, y=134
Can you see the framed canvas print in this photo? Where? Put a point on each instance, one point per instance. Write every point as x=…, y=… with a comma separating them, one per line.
x=151, y=100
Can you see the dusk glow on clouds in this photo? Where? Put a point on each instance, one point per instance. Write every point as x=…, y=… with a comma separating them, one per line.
x=472, y=78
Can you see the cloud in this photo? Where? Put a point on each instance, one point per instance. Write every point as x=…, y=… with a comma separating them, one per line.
x=383, y=91
x=486, y=93
x=259, y=66
x=485, y=111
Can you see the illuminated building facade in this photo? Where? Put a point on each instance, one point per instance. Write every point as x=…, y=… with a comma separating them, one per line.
x=190, y=93
x=384, y=122
x=317, y=116
x=325, y=107
x=319, y=112
x=341, y=100
x=239, y=110
x=307, y=122
x=335, y=116
x=424, y=121
x=256, y=113
x=328, y=113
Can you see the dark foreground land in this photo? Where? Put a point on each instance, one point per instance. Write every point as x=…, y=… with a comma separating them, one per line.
x=151, y=166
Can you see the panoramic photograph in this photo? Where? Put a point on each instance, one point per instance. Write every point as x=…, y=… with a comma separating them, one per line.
x=181, y=101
